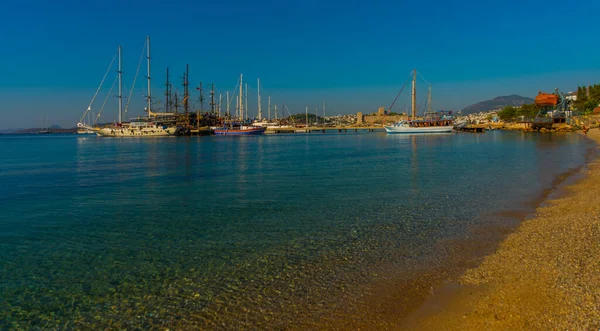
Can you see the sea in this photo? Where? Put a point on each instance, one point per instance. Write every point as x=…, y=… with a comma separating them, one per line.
x=297, y=231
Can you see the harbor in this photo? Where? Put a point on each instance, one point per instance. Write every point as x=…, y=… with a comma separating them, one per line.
x=247, y=232
x=231, y=165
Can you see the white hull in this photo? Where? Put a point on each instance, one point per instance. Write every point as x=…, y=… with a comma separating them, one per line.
x=424, y=129
x=85, y=131
x=135, y=132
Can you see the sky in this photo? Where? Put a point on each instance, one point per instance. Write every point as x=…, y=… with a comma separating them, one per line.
x=354, y=55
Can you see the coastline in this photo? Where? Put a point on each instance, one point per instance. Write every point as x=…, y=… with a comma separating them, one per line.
x=544, y=275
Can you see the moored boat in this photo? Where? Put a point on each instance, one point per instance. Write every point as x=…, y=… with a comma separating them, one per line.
x=239, y=131
x=432, y=122
x=156, y=124
x=137, y=128
x=421, y=126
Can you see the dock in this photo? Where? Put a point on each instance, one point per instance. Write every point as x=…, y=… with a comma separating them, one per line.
x=473, y=128
x=326, y=129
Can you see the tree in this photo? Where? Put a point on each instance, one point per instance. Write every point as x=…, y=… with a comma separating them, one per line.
x=581, y=98
x=507, y=114
x=528, y=111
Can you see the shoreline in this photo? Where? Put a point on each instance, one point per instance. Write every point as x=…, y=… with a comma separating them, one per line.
x=543, y=275
x=395, y=302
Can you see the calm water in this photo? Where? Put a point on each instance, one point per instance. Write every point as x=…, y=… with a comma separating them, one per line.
x=243, y=232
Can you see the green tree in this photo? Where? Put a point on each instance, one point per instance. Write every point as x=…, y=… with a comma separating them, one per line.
x=582, y=98
x=507, y=114
x=528, y=111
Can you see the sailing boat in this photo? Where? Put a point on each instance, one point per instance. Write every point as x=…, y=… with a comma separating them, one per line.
x=433, y=122
x=44, y=129
x=140, y=127
x=239, y=129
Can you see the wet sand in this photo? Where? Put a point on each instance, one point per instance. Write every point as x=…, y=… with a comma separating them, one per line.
x=545, y=275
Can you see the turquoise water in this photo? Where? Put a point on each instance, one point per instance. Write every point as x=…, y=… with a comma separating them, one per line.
x=244, y=232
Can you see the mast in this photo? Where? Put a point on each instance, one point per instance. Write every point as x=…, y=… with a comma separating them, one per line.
x=246, y=101
x=259, y=108
x=429, y=101
x=121, y=88
x=323, y=112
x=220, y=105
x=212, y=99
x=414, y=95
x=269, y=110
x=276, y=112
x=167, y=93
x=317, y=116
x=186, y=92
x=228, y=113
x=176, y=102
x=307, y=117
x=201, y=98
x=149, y=85
x=240, y=102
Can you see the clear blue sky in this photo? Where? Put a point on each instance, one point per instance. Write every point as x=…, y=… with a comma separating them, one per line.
x=354, y=54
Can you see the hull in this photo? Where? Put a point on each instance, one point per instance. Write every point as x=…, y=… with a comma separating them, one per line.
x=242, y=132
x=135, y=132
x=426, y=129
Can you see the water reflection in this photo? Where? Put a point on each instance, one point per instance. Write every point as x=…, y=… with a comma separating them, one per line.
x=245, y=233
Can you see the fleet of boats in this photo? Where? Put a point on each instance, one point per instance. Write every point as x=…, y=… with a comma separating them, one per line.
x=157, y=124
x=230, y=128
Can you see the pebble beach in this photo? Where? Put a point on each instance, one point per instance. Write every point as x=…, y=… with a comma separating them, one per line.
x=544, y=276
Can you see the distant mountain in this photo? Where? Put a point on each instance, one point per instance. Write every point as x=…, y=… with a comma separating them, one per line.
x=52, y=129
x=497, y=103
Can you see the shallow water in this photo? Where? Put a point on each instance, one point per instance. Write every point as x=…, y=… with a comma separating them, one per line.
x=244, y=232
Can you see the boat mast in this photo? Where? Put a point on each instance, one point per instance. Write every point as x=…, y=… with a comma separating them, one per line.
x=429, y=101
x=227, y=113
x=306, y=116
x=269, y=110
x=149, y=86
x=414, y=95
x=167, y=93
x=240, y=102
x=276, y=112
x=323, y=112
x=259, y=108
x=201, y=98
x=212, y=99
x=176, y=103
x=246, y=116
x=220, y=105
x=121, y=88
x=186, y=92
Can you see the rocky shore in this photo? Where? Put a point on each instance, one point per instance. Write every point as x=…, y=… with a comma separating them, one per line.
x=544, y=276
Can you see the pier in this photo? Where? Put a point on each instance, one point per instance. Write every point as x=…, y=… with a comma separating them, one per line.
x=473, y=128
x=325, y=129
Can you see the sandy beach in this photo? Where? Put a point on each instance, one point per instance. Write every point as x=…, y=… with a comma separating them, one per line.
x=545, y=275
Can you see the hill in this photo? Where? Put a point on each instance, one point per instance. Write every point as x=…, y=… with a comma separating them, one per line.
x=497, y=103
x=52, y=129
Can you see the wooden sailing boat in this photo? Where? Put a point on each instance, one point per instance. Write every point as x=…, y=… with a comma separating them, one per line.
x=433, y=122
